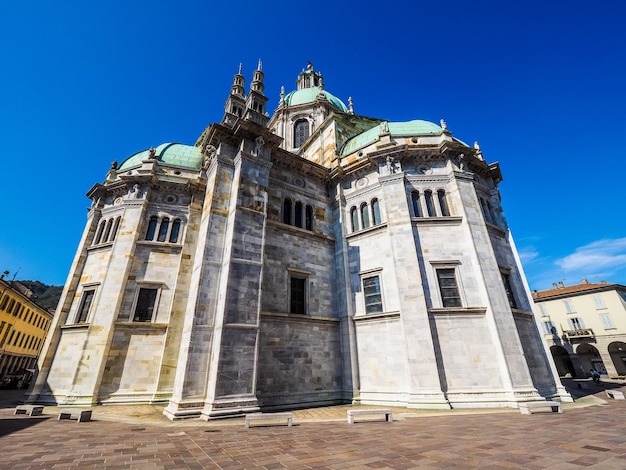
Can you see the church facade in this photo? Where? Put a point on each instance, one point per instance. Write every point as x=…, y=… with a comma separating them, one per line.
x=310, y=258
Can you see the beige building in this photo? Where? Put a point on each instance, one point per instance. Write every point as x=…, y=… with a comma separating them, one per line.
x=23, y=329
x=308, y=258
x=585, y=327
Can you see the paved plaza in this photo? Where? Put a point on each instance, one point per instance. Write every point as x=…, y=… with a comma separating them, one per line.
x=589, y=434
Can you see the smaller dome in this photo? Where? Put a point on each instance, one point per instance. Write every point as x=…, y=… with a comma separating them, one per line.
x=396, y=129
x=173, y=154
x=309, y=95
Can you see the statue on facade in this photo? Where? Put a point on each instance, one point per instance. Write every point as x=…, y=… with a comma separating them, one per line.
x=258, y=146
x=391, y=169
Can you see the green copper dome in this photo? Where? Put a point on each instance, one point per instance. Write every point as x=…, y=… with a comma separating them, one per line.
x=396, y=129
x=309, y=95
x=173, y=154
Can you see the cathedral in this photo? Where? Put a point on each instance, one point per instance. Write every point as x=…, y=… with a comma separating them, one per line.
x=312, y=257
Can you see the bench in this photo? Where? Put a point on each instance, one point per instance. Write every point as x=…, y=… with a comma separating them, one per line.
x=525, y=408
x=30, y=410
x=617, y=395
x=384, y=411
x=81, y=414
x=270, y=419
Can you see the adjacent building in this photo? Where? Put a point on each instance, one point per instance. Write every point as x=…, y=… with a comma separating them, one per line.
x=310, y=258
x=585, y=327
x=23, y=329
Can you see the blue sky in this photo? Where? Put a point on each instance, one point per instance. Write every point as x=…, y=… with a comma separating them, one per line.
x=540, y=85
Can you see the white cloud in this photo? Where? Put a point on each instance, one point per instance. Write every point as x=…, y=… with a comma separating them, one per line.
x=528, y=255
x=600, y=255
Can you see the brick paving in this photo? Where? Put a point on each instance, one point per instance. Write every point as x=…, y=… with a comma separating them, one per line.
x=589, y=434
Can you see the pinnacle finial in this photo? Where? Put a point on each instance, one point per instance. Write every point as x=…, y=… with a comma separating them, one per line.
x=240, y=65
x=260, y=67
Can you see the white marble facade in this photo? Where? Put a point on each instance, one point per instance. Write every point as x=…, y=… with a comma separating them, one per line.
x=312, y=258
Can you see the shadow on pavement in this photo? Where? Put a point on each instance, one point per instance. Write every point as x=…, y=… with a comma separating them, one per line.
x=12, y=425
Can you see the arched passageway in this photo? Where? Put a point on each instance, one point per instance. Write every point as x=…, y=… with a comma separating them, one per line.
x=562, y=361
x=617, y=352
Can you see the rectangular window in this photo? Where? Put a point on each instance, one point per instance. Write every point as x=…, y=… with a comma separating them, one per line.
x=85, y=305
x=542, y=310
x=576, y=323
x=569, y=308
x=506, y=280
x=607, y=321
x=298, y=295
x=372, y=294
x=448, y=287
x=146, y=302
x=549, y=328
x=599, y=301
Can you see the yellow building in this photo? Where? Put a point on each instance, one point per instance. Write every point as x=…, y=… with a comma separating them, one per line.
x=585, y=327
x=23, y=329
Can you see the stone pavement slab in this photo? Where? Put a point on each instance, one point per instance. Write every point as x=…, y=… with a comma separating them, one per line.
x=589, y=434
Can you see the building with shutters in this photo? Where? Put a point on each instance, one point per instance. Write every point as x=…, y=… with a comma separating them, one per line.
x=585, y=327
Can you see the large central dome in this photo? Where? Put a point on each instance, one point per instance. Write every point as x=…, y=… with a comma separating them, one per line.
x=311, y=88
x=309, y=95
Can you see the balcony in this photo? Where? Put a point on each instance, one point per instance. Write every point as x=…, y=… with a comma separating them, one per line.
x=580, y=333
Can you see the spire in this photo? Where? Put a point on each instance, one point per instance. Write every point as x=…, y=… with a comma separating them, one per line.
x=238, y=82
x=257, y=79
x=256, y=100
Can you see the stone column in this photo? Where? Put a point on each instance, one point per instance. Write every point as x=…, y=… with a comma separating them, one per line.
x=425, y=388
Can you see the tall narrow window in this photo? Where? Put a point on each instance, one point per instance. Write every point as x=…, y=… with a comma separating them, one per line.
x=365, y=216
x=298, y=295
x=151, y=227
x=116, y=227
x=146, y=302
x=287, y=211
x=375, y=212
x=597, y=299
x=165, y=225
x=98, y=236
x=85, y=305
x=415, y=202
x=448, y=287
x=372, y=294
x=443, y=203
x=542, y=309
x=308, y=219
x=300, y=132
x=298, y=214
x=430, y=205
x=354, y=218
x=506, y=280
x=607, y=321
x=569, y=308
x=175, y=231
x=107, y=231
x=549, y=328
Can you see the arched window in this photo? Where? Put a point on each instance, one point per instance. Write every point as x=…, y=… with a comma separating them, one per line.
x=165, y=225
x=175, y=231
x=98, y=236
x=430, y=206
x=308, y=217
x=115, y=228
x=375, y=211
x=443, y=203
x=287, y=211
x=298, y=214
x=415, y=202
x=151, y=228
x=354, y=217
x=107, y=230
x=300, y=132
x=365, y=216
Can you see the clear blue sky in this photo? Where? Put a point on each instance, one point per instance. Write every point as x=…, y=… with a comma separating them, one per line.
x=540, y=85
